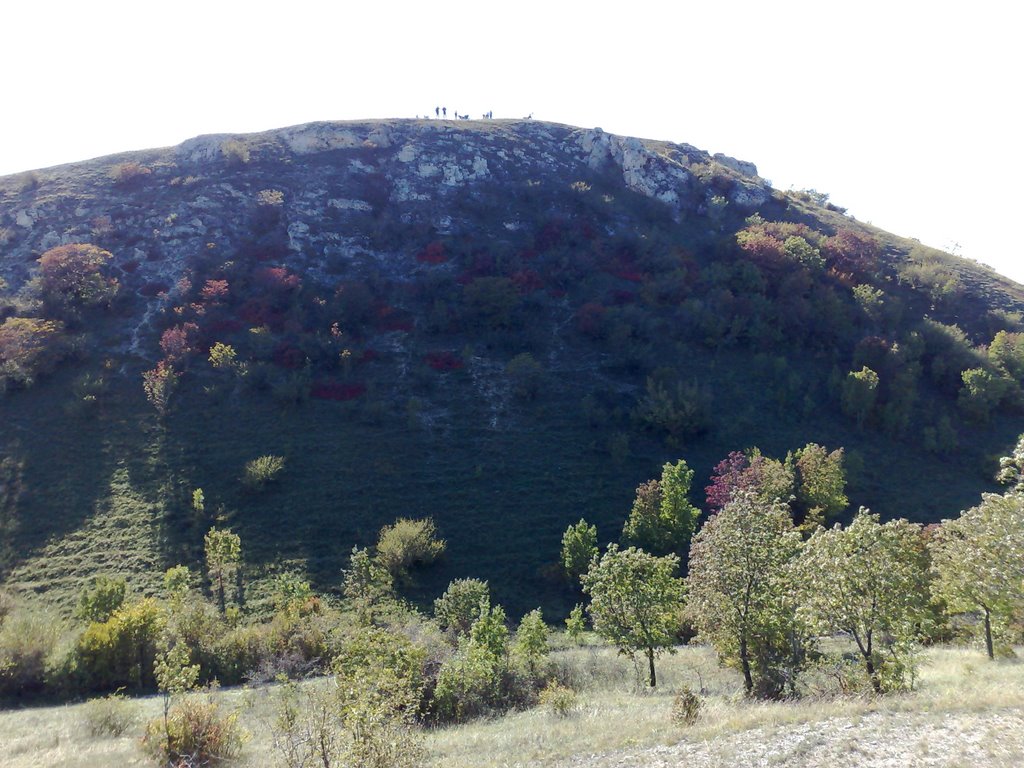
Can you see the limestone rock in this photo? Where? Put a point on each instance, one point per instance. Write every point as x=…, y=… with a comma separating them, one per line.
x=749, y=196
x=740, y=166
x=319, y=137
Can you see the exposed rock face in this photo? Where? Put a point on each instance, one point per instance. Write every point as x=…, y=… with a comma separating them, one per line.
x=643, y=170
x=332, y=176
x=740, y=166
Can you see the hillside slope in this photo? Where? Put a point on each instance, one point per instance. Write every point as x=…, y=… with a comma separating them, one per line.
x=506, y=325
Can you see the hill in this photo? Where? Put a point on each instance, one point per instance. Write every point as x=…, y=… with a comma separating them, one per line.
x=505, y=325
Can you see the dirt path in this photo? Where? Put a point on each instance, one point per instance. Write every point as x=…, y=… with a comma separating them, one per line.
x=879, y=740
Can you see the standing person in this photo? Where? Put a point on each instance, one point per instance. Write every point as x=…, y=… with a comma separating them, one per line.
x=437, y=111
x=444, y=111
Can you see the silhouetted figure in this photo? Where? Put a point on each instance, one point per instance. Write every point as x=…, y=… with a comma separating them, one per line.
x=437, y=111
x=444, y=111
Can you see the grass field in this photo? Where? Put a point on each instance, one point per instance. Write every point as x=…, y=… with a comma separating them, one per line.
x=501, y=496
x=965, y=711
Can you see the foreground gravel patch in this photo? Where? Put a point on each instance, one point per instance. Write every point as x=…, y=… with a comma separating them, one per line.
x=877, y=740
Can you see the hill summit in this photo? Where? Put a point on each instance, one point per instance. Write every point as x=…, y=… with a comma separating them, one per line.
x=505, y=325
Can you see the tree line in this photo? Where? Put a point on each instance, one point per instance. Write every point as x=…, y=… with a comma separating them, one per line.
x=766, y=579
x=765, y=582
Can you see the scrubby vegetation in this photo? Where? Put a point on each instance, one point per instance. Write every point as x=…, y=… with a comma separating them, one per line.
x=796, y=609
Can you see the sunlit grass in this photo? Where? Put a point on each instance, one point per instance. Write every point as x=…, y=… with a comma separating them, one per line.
x=961, y=699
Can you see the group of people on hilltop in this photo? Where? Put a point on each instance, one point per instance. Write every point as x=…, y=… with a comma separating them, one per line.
x=442, y=112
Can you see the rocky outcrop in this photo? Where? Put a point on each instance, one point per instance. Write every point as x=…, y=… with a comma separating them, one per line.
x=203, y=196
x=643, y=170
x=741, y=167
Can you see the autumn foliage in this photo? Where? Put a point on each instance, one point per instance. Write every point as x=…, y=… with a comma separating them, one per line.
x=71, y=278
x=28, y=347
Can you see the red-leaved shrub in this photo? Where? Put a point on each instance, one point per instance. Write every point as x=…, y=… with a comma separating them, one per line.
x=336, y=390
x=443, y=361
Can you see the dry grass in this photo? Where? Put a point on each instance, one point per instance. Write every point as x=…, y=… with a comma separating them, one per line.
x=959, y=692
x=966, y=711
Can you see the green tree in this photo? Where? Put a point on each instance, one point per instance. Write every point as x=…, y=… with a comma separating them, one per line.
x=198, y=501
x=531, y=642
x=663, y=519
x=459, y=606
x=982, y=393
x=378, y=719
x=579, y=547
x=868, y=580
x=978, y=563
x=177, y=582
x=470, y=683
x=365, y=583
x=101, y=599
x=635, y=601
x=575, y=623
x=820, y=482
x=223, y=556
x=871, y=301
x=674, y=408
x=860, y=391
x=174, y=676
x=1011, y=468
x=490, y=631
x=1007, y=352
x=740, y=596
x=290, y=593
x=799, y=250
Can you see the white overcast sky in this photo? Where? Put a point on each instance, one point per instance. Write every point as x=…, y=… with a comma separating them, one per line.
x=907, y=113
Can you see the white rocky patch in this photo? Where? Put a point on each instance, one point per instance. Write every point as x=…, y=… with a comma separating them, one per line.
x=403, y=191
x=203, y=148
x=344, y=204
x=740, y=166
x=298, y=231
x=319, y=137
x=749, y=196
